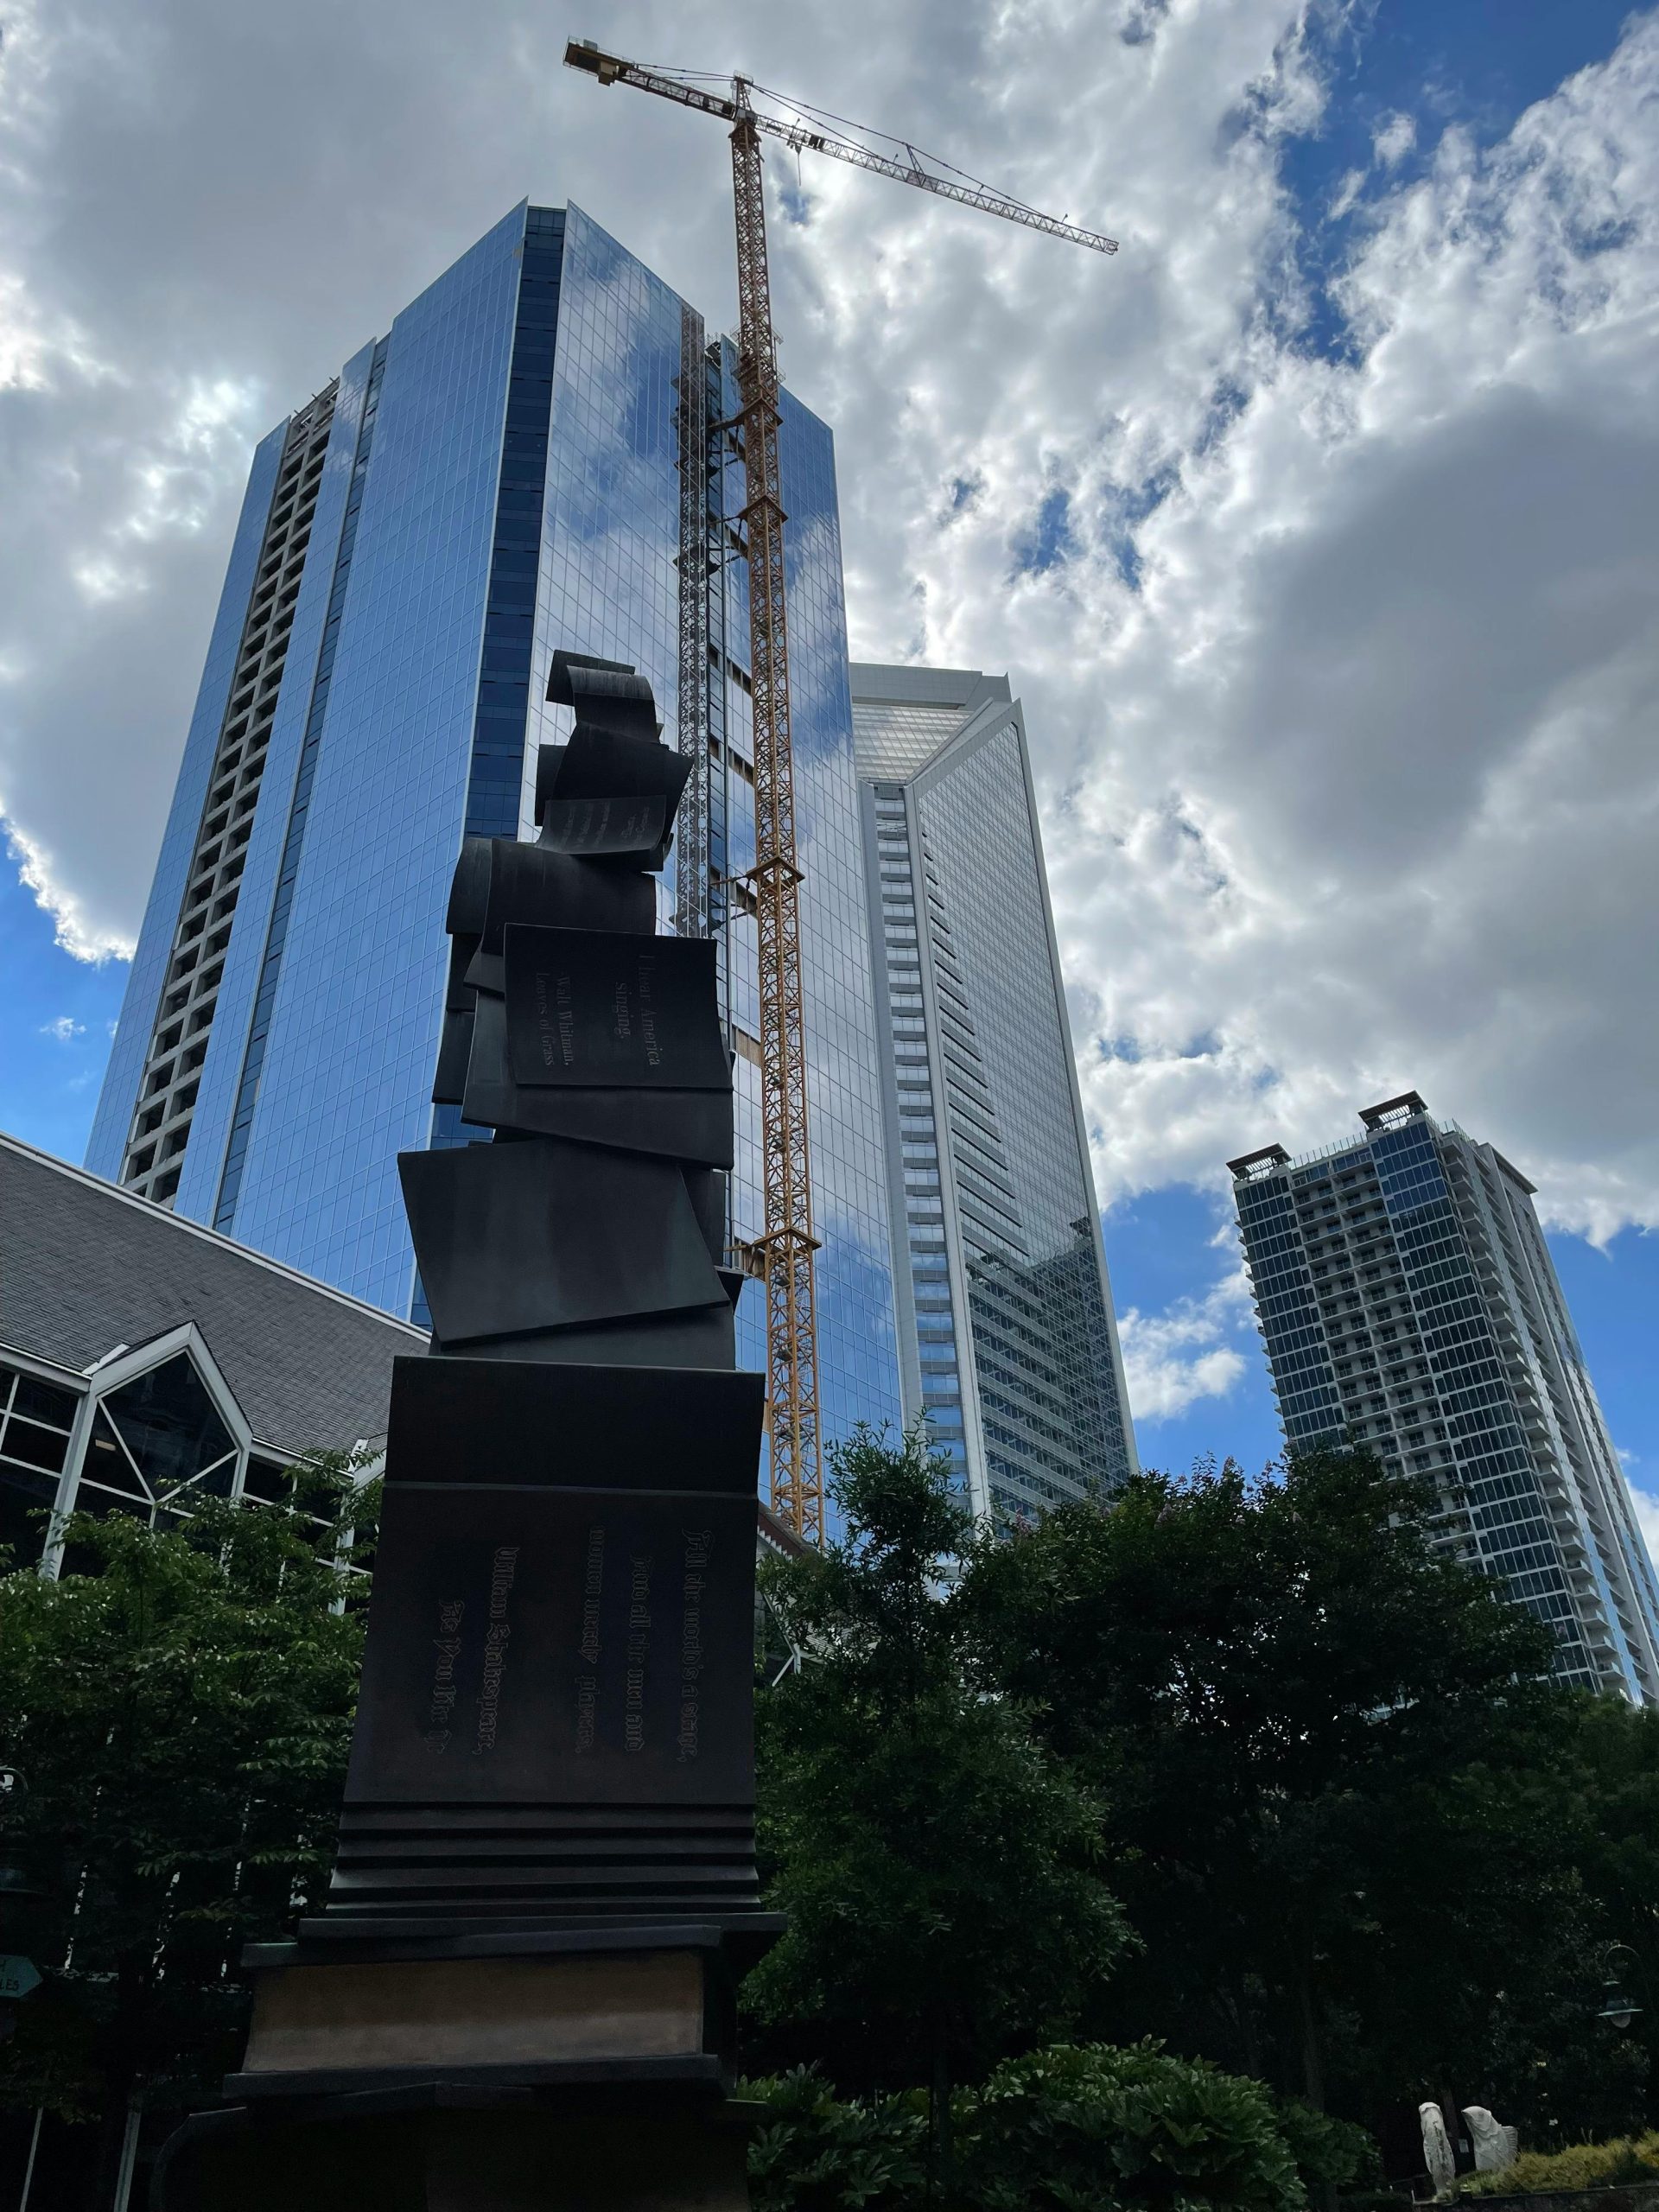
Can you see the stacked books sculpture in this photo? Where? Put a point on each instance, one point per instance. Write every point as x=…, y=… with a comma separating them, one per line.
x=520, y=1990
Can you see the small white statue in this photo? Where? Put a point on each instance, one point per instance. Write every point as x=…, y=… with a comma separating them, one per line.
x=1437, y=2146
x=1496, y=2147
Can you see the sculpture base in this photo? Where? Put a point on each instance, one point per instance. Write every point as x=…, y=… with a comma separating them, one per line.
x=541, y=2071
x=649, y=2006
x=449, y=2148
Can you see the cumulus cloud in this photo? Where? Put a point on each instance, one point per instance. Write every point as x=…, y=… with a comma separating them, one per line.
x=1393, y=139
x=1343, y=709
x=64, y=1028
x=1338, y=659
x=1173, y=1359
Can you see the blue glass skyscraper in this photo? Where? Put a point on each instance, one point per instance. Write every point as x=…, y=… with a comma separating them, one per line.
x=498, y=476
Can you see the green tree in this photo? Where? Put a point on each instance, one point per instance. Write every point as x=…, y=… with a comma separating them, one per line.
x=182, y=1710
x=814, y=2151
x=1617, y=1753
x=1092, y=2128
x=1071, y=2129
x=1342, y=1805
x=938, y=1868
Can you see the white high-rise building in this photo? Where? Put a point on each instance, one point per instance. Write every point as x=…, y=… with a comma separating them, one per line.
x=1007, y=1341
x=1408, y=1302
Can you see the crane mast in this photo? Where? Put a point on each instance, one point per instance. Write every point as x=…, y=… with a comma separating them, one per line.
x=787, y=1244
x=788, y=1241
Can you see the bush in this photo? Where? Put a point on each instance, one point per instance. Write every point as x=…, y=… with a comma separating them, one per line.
x=813, y=2153
x=1089, y=2129
x=1582, y=2165
x=1092, y=2128
x=1329, y=2153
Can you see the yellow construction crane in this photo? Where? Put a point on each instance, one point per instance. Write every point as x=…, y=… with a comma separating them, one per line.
x=787, y=1244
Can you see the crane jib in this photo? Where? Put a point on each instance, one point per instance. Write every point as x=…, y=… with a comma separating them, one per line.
x=611, y=69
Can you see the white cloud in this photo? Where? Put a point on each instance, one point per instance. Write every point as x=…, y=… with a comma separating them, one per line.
x=64, y=1028
x=1354, y=792
x=74, y=932
x=1646, y=1502
x=1173, y=1359
x=1346, y=195
x=1340, y=697
x=1393, y=139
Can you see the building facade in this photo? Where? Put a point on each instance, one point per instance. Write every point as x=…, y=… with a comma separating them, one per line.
x=145, y=1361
x=498, y=476
x=1408, y=1301
x=1008, y=1342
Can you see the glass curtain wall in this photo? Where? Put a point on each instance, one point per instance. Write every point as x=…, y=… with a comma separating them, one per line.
x=609, y=585
x=501, y=480
x=1407, y=1304
x=1012, y=1352
x=147, y=1433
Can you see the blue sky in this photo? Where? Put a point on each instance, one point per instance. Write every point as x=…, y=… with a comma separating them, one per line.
x=1478, y=64
x=57, y=1016
x=1314, y=529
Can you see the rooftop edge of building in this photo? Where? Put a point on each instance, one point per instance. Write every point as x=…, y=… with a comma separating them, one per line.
x=895, y=684
x=1409, y=1105
x=949, y=703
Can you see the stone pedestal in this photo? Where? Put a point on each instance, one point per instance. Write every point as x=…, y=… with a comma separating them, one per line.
x=568, y=2070
x=560, y=2009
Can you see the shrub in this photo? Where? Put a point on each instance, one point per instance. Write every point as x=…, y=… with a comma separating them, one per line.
x=1092, y=2128
x=1330, y=2153
x=814, y=2153
x=1582, y=2165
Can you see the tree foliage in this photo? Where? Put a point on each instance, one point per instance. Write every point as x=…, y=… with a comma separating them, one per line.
x=182, y=1711
x=814, y=2151
x=1249, y=1769
x=939, y=1868
x=1342, y=1796
x=1067, y=2129
x=1618, y=1776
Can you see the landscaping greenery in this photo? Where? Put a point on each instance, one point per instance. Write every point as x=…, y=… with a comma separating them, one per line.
x=1348, y=1838
x=1146, y=1856
x=939, y=1865
x=1627, y=2159
x=1056, y=2130
x=1092, y=2126
x=180, y=1708
x=1352, y=1822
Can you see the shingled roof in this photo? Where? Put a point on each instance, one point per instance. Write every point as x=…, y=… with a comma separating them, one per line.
x=85, y=1267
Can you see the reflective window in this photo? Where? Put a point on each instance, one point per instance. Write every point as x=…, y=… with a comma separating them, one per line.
x=155, y=1439
x=36, y=1418
x=983, y=1052
x=519, y=491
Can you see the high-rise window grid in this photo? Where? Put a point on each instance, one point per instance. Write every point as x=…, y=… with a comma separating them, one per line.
x=1000, y=1256
x=271, y=965
x=1408, y=1303
x=152, y=1161
x=498, y=751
